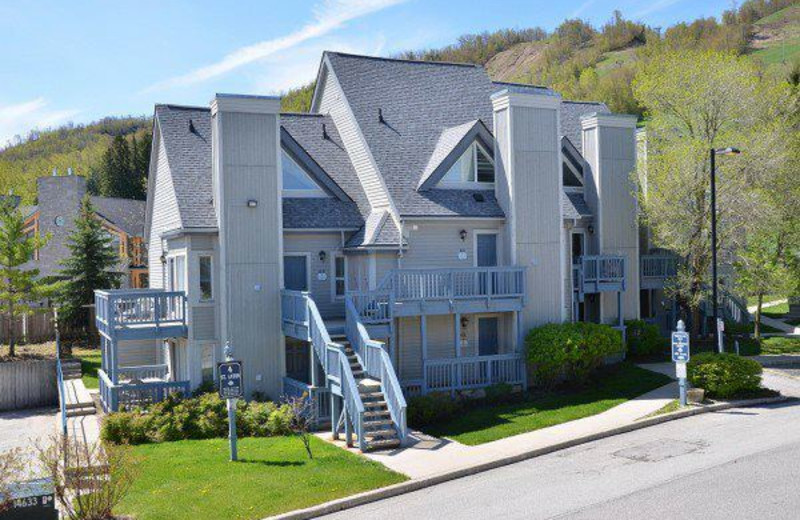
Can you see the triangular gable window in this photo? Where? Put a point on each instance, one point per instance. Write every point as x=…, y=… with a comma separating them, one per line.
x=296, y=181
x=473, y=169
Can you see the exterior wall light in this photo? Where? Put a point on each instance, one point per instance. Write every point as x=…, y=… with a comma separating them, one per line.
x=322, y=256
x=252, y=203
x=163, y=258
x=464, y=322
x=591, y=229
x=463, y=234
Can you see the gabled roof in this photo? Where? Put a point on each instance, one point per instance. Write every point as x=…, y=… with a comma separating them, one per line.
x=378, y=231
x=188, y=150
x=571, y=113
x=186, y=133
x=452, y=144
x=573, y=206
x=126, y=214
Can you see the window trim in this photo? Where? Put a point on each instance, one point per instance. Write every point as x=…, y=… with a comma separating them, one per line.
x=210, y=257
x=334, y=278
x=473, y=147
x=172, y=265
x=317, y=193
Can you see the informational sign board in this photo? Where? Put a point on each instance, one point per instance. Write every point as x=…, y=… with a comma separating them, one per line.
x=230, y=379
x=680, y=347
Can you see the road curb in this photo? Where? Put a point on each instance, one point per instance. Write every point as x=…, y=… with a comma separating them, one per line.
x=409, y=486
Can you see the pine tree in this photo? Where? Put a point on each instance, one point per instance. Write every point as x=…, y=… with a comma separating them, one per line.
x=19, y=287
x=91, y=265
x=123, y=169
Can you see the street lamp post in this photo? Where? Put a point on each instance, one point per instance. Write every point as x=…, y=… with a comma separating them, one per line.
x=715, y=304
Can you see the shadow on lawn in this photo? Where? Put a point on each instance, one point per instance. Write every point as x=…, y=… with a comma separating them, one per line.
x=273, y=463
x=624, y=383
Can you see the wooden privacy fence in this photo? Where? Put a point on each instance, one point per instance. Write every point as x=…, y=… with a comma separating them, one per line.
x=38, y=327
x=28, y=384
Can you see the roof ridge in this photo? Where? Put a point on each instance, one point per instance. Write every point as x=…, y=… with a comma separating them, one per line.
x=582, y=102
x=402, y=60
x=517, y=84
x=301, y=114
x=115, y=198
x=182, y=107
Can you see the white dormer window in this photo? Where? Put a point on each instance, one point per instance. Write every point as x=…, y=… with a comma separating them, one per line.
x=474, y=169
x=296, y=181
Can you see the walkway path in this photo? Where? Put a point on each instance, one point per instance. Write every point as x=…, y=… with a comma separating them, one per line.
x=772, y=322
x=427, y=456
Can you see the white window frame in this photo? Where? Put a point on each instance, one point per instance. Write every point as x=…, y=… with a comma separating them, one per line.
x=308, y=267
x=172, y=268
x=475, y=233
x=317, y=193
x=334, y=279
x=460, y=185
x=200, y=279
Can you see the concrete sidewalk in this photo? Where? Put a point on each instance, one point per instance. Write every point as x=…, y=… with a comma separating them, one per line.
x=426, y=456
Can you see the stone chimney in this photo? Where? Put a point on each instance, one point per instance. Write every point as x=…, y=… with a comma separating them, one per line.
x=245, y=135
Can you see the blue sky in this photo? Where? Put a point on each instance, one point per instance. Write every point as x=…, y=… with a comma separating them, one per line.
x=82, y=60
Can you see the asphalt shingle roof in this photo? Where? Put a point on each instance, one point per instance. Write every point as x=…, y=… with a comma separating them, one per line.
x=573, y=205
x=126, y=214
x=189, y=155
x=571, y=113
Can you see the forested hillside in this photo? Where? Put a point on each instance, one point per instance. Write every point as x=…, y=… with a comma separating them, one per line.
x=80, y=147
x=579, y=60
x=584, y=62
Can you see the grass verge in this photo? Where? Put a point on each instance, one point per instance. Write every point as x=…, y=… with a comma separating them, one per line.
x=91, y=361
x=490, y=423
x=194, y=479
x=672, y=406
x=773, y=345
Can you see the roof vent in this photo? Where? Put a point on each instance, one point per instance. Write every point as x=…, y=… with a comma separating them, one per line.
x=192, y=129
x=380, y=116
x=479, y=197
x=324, y=132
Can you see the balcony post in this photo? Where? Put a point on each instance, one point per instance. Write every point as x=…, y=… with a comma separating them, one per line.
x=423, y=330
x=457, y=343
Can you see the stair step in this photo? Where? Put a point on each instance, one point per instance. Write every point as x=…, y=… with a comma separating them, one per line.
x=377, y=413
x=375, y=424
x=383, y=444
x=79, y=412
x=383, y=432
x=372, y=405
x=366, y=395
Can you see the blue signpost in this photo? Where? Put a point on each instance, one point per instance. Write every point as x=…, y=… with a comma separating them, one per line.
x=680, y=356
x=230, y=388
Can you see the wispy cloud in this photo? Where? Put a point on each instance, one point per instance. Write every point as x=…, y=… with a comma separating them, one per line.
x=655, y=7
x=21, y=118
x=328, y=16
x=582, y=8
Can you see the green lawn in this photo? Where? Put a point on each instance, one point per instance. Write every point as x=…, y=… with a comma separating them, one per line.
x=771, y=345
x=91, y=361
x=672, y=406
x=489, y=423
x=194, y=479
x=776, y=311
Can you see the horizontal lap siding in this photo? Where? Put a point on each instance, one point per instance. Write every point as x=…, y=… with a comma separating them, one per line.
x=437, y=244
x=321, y=290
x=164, y=216
x=138, y=352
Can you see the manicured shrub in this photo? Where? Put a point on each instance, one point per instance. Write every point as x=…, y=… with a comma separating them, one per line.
x=724, y=375
x=644, y=340
x=570, y=350
x=432, y=408
x=499, y=393
x=201, y=417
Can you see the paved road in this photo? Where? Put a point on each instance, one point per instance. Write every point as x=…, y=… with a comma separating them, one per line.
x=741, y=463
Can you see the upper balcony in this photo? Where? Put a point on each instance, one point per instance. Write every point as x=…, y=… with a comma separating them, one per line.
x=656, y=269
x=140, y=314
x=599, y=273
x=414, y=292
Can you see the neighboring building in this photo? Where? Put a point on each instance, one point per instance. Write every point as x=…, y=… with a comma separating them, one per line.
x=59, y=199
x=400, y=239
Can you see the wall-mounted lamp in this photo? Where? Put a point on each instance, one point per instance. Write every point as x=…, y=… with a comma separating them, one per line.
x=163, y=258
x=322, y=256
x=252, y=203
x=463, y=234
x=464, y=322
x=591, y=229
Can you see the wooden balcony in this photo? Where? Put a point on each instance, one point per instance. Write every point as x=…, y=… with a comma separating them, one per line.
x=464, y=373
x=137, y=386
x=656, y=269
x=141, y=314
x=599, y=273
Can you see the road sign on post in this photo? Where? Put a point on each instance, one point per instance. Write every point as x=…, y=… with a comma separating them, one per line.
x=680, y=355
x=230, y=388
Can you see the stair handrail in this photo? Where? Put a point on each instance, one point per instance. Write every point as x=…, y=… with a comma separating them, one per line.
x=377, y=363
x=62, y=395
x=321, y=343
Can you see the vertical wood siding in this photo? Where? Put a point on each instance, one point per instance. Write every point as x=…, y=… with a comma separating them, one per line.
x=28, y=384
